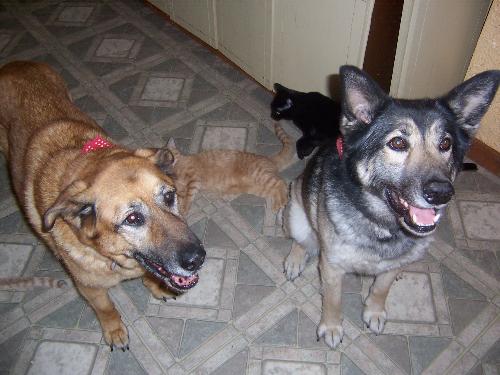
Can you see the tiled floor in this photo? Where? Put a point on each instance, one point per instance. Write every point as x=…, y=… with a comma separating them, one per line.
x=144, y=81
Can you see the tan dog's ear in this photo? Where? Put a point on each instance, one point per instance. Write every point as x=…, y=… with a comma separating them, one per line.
x=145, y=152
x=75, y=207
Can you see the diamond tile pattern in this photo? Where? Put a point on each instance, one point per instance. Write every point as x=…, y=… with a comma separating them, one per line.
x=144, y=81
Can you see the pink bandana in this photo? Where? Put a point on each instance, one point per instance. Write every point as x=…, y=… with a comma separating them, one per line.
x=95, y=144
x=340, y=146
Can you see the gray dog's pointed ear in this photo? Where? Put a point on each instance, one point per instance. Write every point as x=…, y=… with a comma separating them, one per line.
x=361, y=96
x=470, y=100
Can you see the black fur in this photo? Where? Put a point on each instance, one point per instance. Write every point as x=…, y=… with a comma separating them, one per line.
x=316, y=115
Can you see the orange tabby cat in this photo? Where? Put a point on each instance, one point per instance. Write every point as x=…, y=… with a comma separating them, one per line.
x=232, y=172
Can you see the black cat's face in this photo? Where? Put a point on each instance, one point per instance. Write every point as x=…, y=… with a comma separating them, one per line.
x=282, y=104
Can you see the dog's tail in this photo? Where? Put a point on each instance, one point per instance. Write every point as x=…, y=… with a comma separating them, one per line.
x=282, y=158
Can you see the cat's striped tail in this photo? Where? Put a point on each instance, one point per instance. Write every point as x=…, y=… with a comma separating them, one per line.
x=27, y=283
x=282, y=158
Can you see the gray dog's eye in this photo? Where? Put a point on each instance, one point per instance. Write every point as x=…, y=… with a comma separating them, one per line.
x=398, y=144
x=169, y=198
x=445, y=144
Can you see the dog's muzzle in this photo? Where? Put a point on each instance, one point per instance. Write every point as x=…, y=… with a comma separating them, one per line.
x=179, y=275
x=417, y=220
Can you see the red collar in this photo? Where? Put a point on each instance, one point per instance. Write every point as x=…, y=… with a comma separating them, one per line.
x=95, y=144
x=340, y=146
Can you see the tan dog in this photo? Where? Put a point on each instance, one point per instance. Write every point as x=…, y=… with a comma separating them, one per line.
x=107, y=213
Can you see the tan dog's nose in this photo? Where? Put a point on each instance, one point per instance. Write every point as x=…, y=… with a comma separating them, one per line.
x=192, y=258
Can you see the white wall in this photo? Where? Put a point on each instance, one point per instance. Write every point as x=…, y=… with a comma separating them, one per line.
x=312, y=40
x=294, y=42
x=435, y=45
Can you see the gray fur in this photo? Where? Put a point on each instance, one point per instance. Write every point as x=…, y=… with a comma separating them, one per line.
x=373, y=210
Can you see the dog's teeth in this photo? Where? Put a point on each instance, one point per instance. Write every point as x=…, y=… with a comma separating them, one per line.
x=414, y=218
x=403, y=202
x=436, y=218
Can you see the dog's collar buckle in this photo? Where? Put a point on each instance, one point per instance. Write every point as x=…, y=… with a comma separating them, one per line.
x=340, y=146
x=95, y=144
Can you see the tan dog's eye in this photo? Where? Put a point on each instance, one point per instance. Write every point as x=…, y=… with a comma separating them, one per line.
x=135, y=219
x=169, y=198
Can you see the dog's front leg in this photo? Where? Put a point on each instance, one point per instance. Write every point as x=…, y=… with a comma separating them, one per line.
x=330, y=326
x=374, y=314
x=156, y=288
x=115, y=332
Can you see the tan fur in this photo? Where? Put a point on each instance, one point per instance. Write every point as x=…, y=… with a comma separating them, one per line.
x=232, y=172
x=27, y=283
x=41, y=134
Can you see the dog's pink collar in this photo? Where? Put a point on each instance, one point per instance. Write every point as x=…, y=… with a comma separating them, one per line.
x=95, y=144
x=340, y=146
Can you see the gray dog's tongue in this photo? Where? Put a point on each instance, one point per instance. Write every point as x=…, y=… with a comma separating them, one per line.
x=422, y=216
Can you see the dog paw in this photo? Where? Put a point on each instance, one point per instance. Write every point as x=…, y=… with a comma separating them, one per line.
x=158, y=291
x=375, y=319
x=163, y=294
x=331, y=333
x=294, y=266
x=116, y=336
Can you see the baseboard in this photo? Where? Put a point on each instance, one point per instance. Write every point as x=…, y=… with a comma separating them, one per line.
x=485, y=156
x=202, y=42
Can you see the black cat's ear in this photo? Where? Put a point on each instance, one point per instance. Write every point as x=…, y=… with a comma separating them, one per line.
x=278, y=87
x=470, y=100
x=361, y=95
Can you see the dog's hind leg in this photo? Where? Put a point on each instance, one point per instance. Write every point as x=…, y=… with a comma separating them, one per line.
x=374, y=314
x=306, y=242
x=115, y=332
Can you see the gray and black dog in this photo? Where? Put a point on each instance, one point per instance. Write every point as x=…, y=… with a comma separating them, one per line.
x=368, y=204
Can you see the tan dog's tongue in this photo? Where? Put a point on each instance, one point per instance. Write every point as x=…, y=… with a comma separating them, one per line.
x=422, y=216
x=183, y=281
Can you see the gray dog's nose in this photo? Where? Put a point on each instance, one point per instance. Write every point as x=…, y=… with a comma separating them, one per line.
x=438, y=192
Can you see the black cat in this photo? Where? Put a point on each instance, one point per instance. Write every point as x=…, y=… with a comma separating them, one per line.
x=316, y=115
